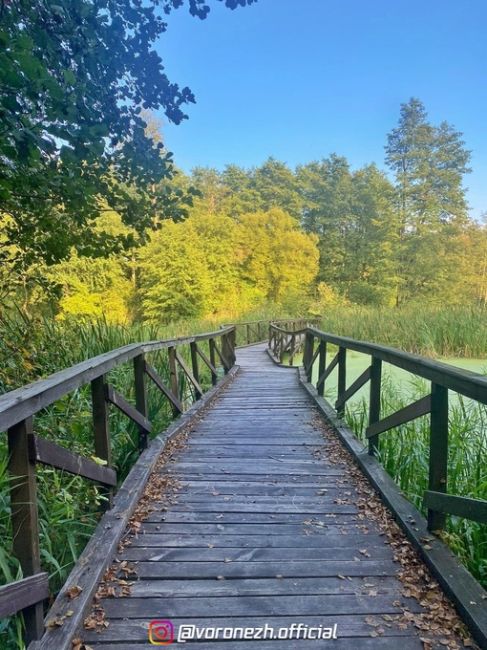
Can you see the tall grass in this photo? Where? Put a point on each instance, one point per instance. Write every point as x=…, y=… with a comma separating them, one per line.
x=404, y=453
x=433, y=331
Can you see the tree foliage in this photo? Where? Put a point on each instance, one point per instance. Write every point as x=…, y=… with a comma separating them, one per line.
x=74, y=78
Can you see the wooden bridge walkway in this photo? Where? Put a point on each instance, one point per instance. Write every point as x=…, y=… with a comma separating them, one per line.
x=266, y=528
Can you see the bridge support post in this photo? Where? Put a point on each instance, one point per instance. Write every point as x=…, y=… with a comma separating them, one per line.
x=308, y=355
x=141, y=397
x=173, y=371
x=374, y=400
x=25, y=524
x=101, y=428
x=438, y=461
x=194, y=365
x=320, y=386
x=342, y=377
x=214, y=378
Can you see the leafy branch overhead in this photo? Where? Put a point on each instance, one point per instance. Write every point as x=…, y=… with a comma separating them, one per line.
x=75, y=76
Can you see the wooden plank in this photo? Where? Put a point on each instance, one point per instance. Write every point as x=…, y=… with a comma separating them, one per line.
x=255, y=586
x=127, y=409
x=49, y=453
x=24, y=593
x=474, y=509
x=175, y=403
x=411, y=412
x=101, y=548
x=24, y=517
x=236, y=555
x=256, y=606
x=254, y=541
x=352, y=389
x=378, y=643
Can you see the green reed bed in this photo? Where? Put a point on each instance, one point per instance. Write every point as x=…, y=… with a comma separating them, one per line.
x=448, y=331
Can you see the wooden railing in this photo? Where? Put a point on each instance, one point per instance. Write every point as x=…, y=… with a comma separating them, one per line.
x=26, y=449
x=256, y=331
x=287, y=338
x=443, y=378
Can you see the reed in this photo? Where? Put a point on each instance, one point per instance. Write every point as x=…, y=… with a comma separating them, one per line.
x=431, y=331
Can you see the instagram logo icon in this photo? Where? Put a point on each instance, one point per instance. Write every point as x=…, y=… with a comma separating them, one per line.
x=161, y=632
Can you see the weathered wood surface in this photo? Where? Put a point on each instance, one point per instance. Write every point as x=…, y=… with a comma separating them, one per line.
x=263, y=530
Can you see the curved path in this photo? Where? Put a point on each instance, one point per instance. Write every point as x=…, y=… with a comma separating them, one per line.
x=267, y=528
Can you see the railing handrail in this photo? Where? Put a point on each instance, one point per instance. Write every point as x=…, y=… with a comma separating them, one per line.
x=467, y=383
x=443, y=377
x=20, y=403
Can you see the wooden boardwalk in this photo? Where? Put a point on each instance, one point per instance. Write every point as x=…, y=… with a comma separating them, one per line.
x=265, y=529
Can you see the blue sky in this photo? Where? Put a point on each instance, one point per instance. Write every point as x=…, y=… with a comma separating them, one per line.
x=300, y=79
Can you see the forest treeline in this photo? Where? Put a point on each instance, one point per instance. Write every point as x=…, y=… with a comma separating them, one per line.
x=301, y=239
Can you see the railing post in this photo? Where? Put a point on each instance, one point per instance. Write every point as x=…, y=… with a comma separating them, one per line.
x=214, y=378
x=173, y=371
x=233, y=342
x=320, y=387
x=25, y=524
x=141, y=396
x=292, y=350
x=438, y=458
x=342, y=377
x=101, y=428
x=194, y=365
x=227, y=352
x=374, y=400
x=248, y=332
x=308, y=354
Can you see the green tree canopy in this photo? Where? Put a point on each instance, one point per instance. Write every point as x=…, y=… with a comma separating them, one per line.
x=74, y=77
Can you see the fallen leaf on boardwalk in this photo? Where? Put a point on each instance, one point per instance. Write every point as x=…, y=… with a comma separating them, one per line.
x=53, y=623
x=77, y=644
x=74, y=591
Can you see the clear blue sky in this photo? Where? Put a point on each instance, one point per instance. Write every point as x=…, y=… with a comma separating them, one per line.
x=299, y=79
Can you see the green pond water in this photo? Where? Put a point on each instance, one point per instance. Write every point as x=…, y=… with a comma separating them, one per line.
x=404, y=382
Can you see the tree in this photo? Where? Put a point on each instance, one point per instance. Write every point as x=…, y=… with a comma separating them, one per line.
x=277, y=257
x=326, y=191
x=370, y=268
x=74, y=77
x=276, y=186
x=173, y=277
x=429, y=164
